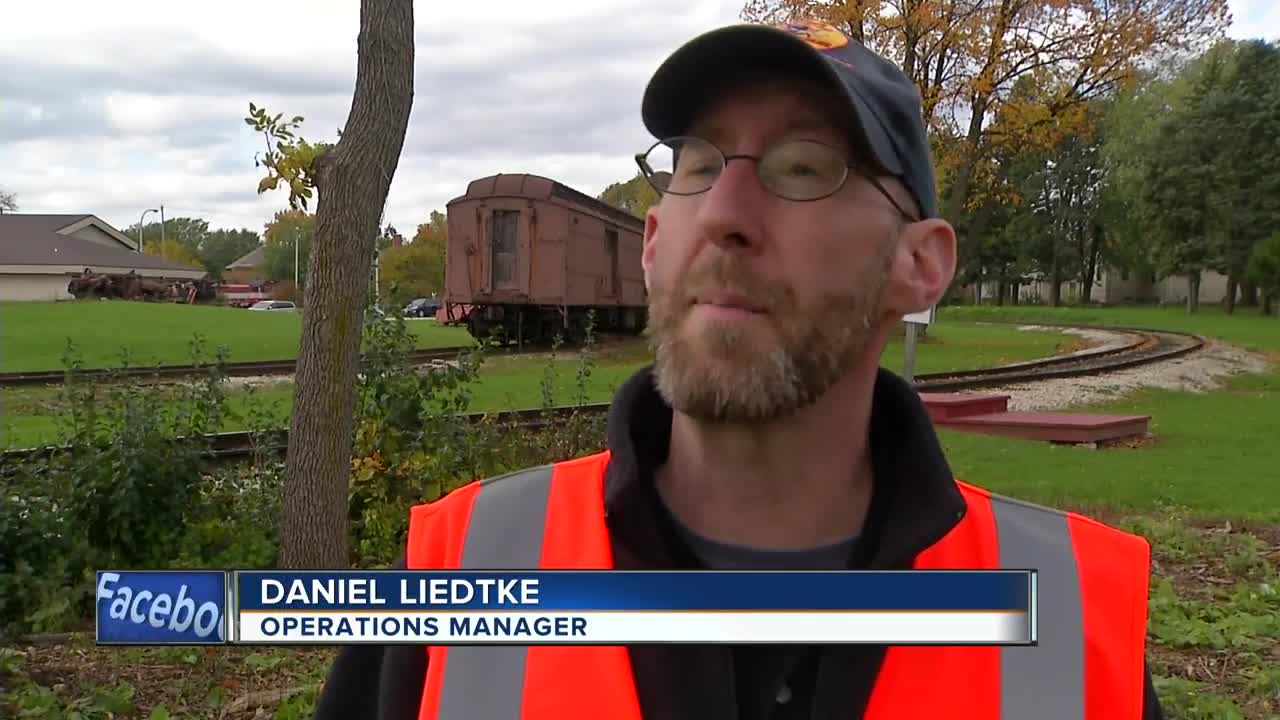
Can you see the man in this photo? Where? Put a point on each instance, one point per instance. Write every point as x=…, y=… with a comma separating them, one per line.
x=798, y=223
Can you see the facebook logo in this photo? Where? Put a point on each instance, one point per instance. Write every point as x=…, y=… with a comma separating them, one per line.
x=159, y=607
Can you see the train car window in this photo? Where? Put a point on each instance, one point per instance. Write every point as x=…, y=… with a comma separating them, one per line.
x=503, y=244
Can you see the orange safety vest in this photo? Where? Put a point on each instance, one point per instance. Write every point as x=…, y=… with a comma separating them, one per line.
x=1087, y=665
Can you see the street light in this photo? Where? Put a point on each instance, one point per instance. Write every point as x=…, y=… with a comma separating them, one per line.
x=141, y=220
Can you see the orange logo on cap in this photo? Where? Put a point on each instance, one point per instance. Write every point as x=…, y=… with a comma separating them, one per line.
x=820, y=35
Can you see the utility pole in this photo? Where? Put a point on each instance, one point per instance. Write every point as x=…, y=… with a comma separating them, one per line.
x=141, y=221
x=161, y=230
x=295, y=260
x=913, y=323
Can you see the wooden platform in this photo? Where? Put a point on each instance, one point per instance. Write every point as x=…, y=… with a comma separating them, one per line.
x=988, y=415
x=945, y=406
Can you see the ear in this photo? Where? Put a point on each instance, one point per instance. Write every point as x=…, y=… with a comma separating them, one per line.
x=925, y=264
x=649, y=250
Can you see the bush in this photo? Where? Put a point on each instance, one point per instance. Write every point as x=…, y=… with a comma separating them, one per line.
x=413, y=446
x=132, y=487
x=126, y=488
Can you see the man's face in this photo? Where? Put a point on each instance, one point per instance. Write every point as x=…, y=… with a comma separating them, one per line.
x=812, y=273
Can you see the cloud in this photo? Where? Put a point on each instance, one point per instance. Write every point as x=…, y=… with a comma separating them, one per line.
x=1255, y=19
x=144, y=108
x=114, y=111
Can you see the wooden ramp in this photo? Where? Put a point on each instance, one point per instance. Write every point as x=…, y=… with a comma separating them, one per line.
x=989, y=415
x=945, y=406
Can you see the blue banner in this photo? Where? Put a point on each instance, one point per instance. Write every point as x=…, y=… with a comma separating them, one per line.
x=162, y=607
x=562, y=590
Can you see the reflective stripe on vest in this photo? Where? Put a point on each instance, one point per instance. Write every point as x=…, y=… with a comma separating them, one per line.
x=1092, y=611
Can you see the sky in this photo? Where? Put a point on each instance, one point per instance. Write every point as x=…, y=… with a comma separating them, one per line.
x=114, y=108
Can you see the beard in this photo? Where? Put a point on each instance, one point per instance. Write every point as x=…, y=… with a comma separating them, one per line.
x=763, y=368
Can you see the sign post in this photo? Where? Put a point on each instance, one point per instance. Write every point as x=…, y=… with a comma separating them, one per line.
x=913, y=321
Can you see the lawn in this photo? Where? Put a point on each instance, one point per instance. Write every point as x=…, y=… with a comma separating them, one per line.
x=1246, y=327
x=28, y=415
x=33, y=335
x=1215, y=453
x=1205, y=491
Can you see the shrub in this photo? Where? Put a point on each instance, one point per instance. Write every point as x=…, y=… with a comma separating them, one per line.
x=415, y=440
x=132, y=488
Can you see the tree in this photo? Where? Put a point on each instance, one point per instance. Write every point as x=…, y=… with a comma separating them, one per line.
x=416, y=269
x=1240, y=117
x=172, y=249
x=287, y=228
x=222, y=247
x=966, y=55
x=351, y=179
x=635, y=196
x=1264, y=270
x=389, y=238
x=189, y=233
x=1193, y=170
x=8, y=202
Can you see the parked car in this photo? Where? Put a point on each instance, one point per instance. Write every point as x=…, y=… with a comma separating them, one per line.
x=422, y=307
x=273, y=305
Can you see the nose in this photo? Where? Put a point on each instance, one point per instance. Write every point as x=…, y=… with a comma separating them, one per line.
x=728, y=215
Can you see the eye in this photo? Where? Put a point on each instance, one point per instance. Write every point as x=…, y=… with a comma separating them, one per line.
x=801, y=169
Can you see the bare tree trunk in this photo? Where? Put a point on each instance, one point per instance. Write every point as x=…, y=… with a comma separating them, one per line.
x=1001, y=289
x=1248, y=293
x=1093, y=256
x=353, y=180
x=964, y=174
x=1055, y=280
x=1266, y=303
x=1232, y=286
x=1193, y=291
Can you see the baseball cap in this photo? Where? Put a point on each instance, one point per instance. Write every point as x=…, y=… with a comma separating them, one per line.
x=884, y=102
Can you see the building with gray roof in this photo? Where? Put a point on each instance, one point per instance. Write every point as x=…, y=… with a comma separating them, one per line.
x=40, y=254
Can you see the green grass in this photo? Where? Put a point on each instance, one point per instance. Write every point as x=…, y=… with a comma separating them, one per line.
x=514, y=382
x=1214, y=453
x=1205, y=494
x=1247, y=327
x=27, y=415
x=33, y=335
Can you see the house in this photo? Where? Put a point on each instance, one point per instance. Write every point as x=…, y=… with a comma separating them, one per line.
x=1113, y=286
x=40, y=254
x=249, y=269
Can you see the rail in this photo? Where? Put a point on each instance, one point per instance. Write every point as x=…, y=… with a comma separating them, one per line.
x=1149, y=346
x=248, y=368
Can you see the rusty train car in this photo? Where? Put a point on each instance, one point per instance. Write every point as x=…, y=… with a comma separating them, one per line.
x=528, y=258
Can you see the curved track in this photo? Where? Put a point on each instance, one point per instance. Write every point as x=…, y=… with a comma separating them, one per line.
x=1146, y=347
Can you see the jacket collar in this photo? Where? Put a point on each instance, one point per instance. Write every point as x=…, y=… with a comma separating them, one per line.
x=914, y=503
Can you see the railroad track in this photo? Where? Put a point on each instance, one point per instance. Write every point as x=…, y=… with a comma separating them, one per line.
x=251, y=368
x=1145, y=347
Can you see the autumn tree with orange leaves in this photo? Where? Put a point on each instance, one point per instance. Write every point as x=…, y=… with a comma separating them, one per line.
x=965, y=56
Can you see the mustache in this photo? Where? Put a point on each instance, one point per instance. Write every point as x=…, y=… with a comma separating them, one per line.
x=727, y=274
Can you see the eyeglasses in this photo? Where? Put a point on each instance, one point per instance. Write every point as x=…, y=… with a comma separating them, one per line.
x=797, y=170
